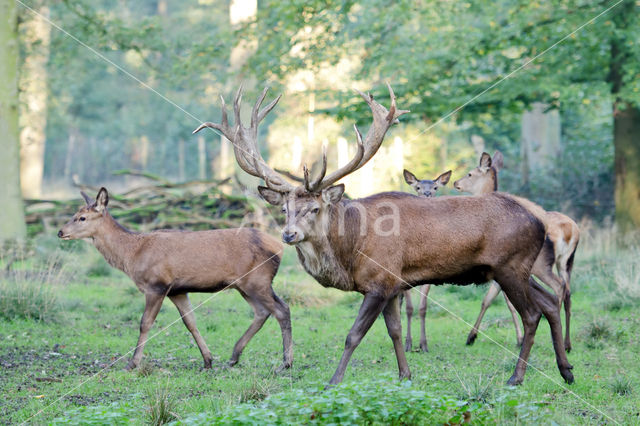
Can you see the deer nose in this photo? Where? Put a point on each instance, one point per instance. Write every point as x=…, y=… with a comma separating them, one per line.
x=456, y=185
x=288, y=237
x=60, y=233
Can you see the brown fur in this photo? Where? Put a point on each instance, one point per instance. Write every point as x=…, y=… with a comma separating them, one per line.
x=562, y=233
x=394, y=241
x=172, y=264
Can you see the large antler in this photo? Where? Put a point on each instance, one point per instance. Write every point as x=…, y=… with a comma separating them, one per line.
x=382, y=120
x=245, y=140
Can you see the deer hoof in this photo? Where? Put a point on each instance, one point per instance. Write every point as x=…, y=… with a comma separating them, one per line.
x=283, y=366
x=472, y=338
x=407, y=346
x=207, y=363
x=514, y=381
x=130, y=366
x=567, y=346
x=424, y=347
x=567, y=375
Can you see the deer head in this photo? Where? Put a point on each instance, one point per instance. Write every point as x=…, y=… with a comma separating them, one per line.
x=425, y=187
x=88, y=219
x=306, y=206
x=484, y=178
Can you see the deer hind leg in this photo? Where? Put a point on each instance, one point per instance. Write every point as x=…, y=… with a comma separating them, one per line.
x=371, y=307
x=516, y=320
x=186, y=312
x=547, y=304
x=493, y=291
x=423, y=316
x=260, y=315
x=518, y=293
x=281, y=311
x=564, y=269
x=153, y=302
x=394, y=326
x=408, y=343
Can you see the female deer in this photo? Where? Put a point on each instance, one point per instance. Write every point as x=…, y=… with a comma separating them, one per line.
x=562, y=232
x=174, y=263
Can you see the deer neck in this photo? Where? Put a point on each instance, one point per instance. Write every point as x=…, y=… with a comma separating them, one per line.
x=116, y=244
x=320, y=258
x=489, y=185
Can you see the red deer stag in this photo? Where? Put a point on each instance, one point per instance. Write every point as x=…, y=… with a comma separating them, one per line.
x=562, y=232
x=426, y=188
x=384, y=244
x=174, y=263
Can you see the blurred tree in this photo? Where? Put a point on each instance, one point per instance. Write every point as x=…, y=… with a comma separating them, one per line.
x=440, y=70
x=11, y=214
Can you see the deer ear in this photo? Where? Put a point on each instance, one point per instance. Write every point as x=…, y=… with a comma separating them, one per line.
x=102, y=199
x=444, y=178
x=270, y=196
x=333, y=194
x=87, y=199
x=485, y=161
x=409, y=177
x=498, y=160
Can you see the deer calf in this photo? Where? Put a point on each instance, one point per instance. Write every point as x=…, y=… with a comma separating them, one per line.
x=426, y=188
x=174, y=263
x=562, y=239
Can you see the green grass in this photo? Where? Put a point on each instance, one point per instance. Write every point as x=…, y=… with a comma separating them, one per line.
x=97, y=326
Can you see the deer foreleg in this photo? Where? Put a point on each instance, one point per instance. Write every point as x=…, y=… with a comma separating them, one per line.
x=408, y=343
x=153, y=302
x=423, y=316
x=394, y=326
x=186, y=312
x=493, y=291
x=371, y=307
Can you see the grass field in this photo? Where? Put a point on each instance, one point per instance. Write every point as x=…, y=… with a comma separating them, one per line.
x=65, y=317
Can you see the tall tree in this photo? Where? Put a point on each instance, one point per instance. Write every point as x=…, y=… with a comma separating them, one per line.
x=440, y=70
x=35, y=33
x=12, y=223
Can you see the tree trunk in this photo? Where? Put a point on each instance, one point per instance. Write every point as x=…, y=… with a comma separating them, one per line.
x=626, y=139
x=12, y=223
x=33, y=103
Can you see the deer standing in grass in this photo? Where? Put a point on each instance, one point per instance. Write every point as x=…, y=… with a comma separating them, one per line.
x=426, y=188
x=173, y=263
x=389, y=242
x=562, y=232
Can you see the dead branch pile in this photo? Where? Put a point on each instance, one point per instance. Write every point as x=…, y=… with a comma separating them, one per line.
x=159, y=205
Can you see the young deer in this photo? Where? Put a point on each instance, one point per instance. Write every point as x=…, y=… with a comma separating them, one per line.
x=174, y=263
x=384, y=244
x=562, y=233
x=426, y=188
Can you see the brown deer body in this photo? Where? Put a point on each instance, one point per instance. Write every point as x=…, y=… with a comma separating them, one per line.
x=384, y=244
x=425, y=188
x=563, y=235
x=174, y=263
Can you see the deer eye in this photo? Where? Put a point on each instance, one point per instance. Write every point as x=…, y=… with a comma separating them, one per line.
x=284, y=210
x=469, y=175
x=315, y=210
x=82, y=218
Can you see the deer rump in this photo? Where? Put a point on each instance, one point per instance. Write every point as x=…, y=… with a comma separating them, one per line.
x=449, y=245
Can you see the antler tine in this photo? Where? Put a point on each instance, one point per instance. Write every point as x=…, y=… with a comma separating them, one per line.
x=315, y=184
x=236, y=107
x=256, y=106
x=382, y=120
x=266, y=110
x=307, y=184
x=347, y=168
